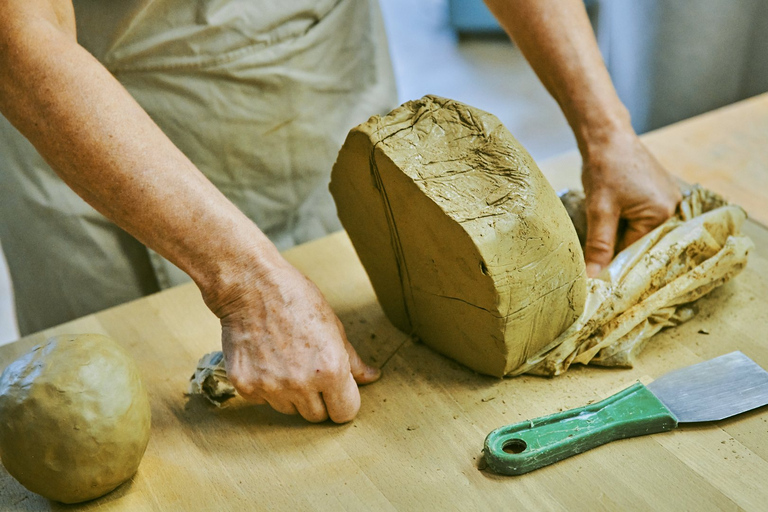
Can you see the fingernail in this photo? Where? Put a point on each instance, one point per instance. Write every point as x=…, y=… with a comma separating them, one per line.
x=593, y=269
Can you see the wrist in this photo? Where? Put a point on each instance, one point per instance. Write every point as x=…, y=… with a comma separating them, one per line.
x=600, y=130
x=236, y=271
x=596, y=141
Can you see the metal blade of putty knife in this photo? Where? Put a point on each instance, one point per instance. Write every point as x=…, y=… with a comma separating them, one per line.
x=713, y=390
x=708, y=391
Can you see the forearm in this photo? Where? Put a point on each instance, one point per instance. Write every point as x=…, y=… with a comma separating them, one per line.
x=283, y=343
x=557, y=40
x=103, y=145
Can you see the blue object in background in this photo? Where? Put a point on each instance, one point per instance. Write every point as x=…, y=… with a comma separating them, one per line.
x=471, y=16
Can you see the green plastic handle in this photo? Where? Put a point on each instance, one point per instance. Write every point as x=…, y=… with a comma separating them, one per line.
x=522, y=447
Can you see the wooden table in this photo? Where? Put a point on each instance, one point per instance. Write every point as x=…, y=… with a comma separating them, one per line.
x=416, y=441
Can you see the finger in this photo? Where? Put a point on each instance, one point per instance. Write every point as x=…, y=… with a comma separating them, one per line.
x=342, y=399
x=649, y=219
x=312, y=408
x=255, y=399
x=245, y=386
x=634, y=232
x=602, y=224
x=362, y=372
x=282, y=405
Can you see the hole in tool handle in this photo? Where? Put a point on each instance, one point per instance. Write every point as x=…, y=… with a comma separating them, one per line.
x=514, y=446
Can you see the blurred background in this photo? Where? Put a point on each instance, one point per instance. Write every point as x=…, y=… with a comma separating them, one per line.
x=669, y=59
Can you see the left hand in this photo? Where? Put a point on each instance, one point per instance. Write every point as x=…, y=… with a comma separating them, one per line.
x=623, y=180
x=284, y=345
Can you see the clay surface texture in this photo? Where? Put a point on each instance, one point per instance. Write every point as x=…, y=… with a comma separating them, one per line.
x=465, y=242
x=650, y=285
x=75, y=417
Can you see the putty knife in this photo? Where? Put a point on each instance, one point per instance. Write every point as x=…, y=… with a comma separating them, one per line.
x=713, y=390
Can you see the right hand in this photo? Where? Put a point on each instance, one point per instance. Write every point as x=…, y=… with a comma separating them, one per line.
x=285, y=347
x=623, y=180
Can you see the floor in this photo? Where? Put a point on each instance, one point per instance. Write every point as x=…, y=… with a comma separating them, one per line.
x=429, y=58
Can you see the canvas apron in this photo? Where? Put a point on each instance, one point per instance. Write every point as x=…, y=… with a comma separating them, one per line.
x=258, y=94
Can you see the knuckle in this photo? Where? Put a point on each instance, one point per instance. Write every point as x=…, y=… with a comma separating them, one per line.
x=346, y=414
x=332, y=369
x=298, y=383
x=253, y=384
x=598, y=246
x=599, y=201
x=323, y=374
x=316, y=416
x=287, y=409
x=600, y=208
x=269, y=386
x=344, y=418
x=244, y=385
x=338, y=371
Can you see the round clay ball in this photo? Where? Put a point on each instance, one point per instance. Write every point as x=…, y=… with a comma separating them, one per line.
x=74, y=417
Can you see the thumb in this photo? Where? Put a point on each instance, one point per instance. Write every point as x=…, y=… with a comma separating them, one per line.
x=363, y=373
x=602, y=225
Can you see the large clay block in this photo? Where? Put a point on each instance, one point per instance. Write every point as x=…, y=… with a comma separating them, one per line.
x=465, y=242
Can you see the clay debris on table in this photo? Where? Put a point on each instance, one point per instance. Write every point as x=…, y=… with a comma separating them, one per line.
x=465, y=242
x=651, y=284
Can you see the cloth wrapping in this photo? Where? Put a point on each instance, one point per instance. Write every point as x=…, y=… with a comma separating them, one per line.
x=210, y=379
x=650, y=285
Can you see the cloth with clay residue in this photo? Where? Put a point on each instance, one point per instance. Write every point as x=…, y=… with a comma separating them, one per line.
x=650, y=285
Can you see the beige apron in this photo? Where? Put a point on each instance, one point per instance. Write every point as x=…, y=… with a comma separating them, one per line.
x=258, y=94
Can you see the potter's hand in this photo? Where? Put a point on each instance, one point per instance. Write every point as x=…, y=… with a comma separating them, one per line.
x=285, y=347
x=622, y=180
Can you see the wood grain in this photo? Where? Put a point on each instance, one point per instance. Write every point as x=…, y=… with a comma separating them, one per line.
x=419, y=434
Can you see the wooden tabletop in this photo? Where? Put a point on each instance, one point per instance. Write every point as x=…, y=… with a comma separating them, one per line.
x=417, y=439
